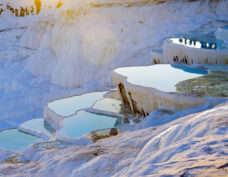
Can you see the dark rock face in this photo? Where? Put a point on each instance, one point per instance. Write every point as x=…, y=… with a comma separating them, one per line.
x=213, y=84
x=126, y=121
x=114, y=131
x=124, y=97
x=130, y=104
x=223, y=166
x=106, y=133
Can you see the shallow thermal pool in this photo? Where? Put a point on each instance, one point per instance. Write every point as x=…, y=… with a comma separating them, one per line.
x=39, y=126
x=68, y=106
x=84, y=122
x=202, y=42
x=14, y=140
x=163, y=77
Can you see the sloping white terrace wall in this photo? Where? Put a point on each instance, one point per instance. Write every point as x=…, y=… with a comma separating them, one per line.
x=177, y=52
x=143, y=99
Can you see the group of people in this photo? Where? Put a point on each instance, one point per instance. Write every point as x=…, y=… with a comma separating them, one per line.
x=23, y=11
x=203, y=44
x=32, y=9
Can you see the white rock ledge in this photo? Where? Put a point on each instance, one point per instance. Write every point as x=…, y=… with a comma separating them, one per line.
x=107, y=113
x=141, y=100
x=190, y=54
x=52, y=116
x=34, y=133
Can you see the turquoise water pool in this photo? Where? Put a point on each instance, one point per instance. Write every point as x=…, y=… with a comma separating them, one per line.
x=84, y=122
x=14, y=140
x=163, y=77
x=68, y=106
x=38, y=126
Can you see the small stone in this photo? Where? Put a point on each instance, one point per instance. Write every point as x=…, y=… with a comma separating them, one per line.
x=114, y=131
x=126, y=121
x=208, y=150
x=225, y=93
x=96, y=137
x=167, y=111
x=136, y=120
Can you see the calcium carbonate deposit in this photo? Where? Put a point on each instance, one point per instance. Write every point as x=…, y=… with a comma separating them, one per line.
x=56, y=54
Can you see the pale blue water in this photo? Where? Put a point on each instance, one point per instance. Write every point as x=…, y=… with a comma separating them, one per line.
x=190, y=70
x=14, y=140
x=163, y=77
x=38, y=125
x=68, y=106
x=84, y=122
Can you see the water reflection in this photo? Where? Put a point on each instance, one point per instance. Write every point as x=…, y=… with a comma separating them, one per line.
x=108, y=105
x=84, y=122
x=190, y=70
x=163, y=77
x=68, y=106
x=14, y=140
x=38, y=125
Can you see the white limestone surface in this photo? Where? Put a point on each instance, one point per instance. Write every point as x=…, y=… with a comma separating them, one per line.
x=53, y=50
x=192, y=145
x=89, y=41
x=137, y=29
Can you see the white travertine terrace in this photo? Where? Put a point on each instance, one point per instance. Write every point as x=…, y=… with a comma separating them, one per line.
x=57, y=110
x=193, y=51
x=69, y=118
x=144, y=89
